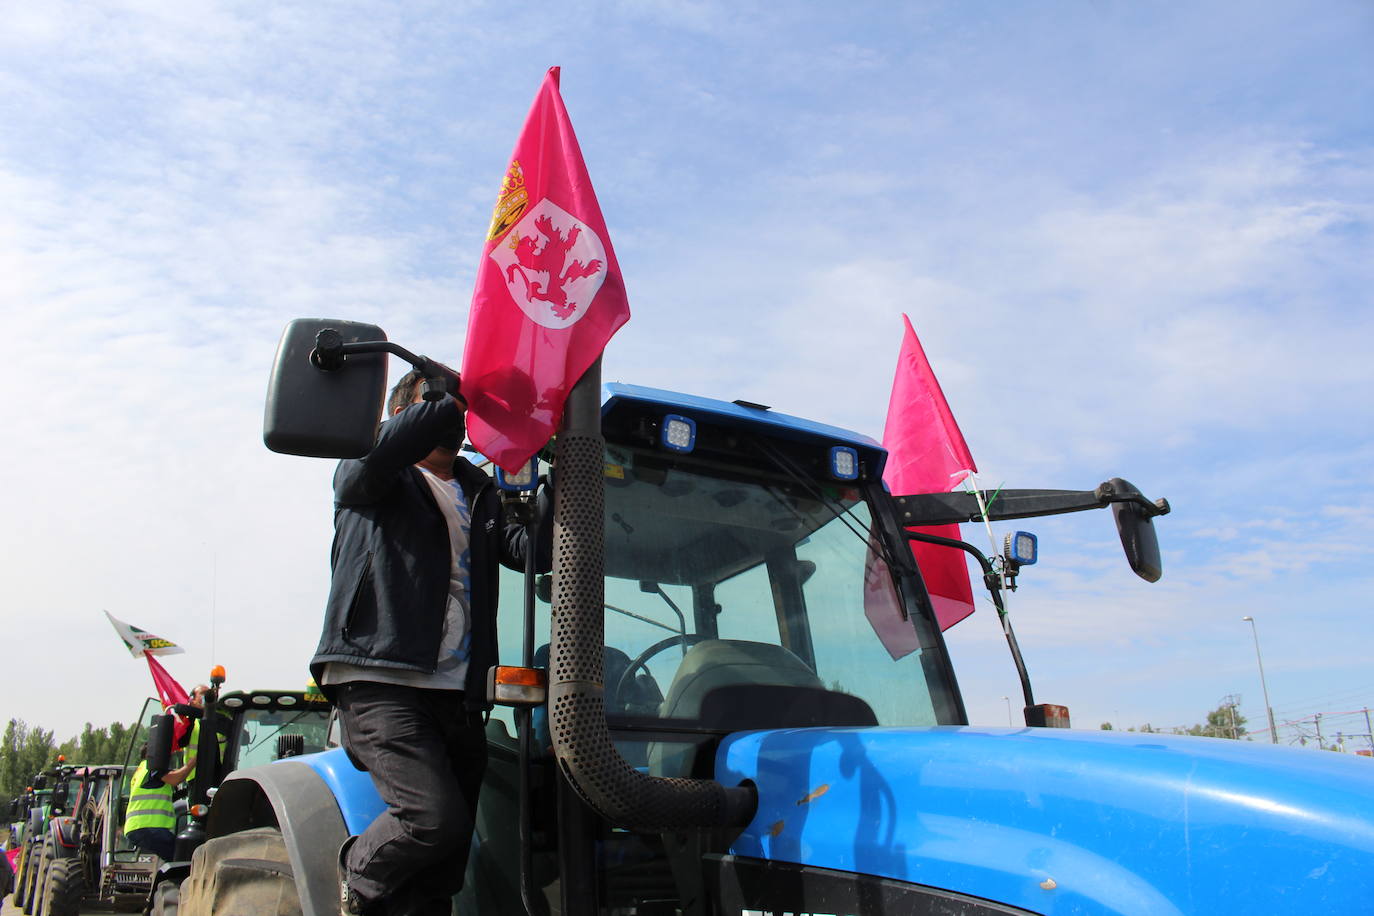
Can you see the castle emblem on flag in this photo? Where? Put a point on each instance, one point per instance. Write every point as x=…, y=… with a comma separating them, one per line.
x=553, y=265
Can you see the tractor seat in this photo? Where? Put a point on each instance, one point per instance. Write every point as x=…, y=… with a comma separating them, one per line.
x=729, y=685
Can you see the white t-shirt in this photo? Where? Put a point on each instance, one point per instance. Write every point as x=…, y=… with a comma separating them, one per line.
x=451, y=666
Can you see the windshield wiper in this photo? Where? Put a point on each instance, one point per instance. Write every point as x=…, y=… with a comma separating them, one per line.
x=790, y=468
x=648, y=620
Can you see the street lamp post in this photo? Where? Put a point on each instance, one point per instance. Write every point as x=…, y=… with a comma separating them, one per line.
x=1009, y=721
x=1273, y=731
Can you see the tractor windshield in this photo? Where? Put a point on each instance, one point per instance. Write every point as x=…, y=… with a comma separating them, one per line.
x=261, y=732
x=732, y=584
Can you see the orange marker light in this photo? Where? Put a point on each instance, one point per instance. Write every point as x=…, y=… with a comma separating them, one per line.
x=508, y=685
x=1048, y=715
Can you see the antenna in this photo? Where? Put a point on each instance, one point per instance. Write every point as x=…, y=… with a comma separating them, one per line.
x=214, y=595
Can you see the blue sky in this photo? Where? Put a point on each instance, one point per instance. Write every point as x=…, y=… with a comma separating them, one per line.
x=1135, y=241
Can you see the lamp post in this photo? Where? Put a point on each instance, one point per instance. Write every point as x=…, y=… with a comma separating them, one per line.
x=1009, y=721
x=1273, y=731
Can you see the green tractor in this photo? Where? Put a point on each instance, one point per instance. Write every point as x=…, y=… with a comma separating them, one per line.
x=48, y=798
x=88, y=859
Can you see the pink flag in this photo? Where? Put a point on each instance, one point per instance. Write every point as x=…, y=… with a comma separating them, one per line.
x=168, y=690
x=549, y=294
x=170, y=693
x=927, y=454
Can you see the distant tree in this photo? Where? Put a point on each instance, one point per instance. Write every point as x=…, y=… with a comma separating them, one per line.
x=11, y=782
x=26, y=750
x=117, y=747
x=1105, y=726
x=1223, y=722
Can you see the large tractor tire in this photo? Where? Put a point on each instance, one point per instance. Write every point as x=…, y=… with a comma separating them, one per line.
x=63, y=890
x=242, y=874
x=37, y=872
x=166, y=899
x=21, y=877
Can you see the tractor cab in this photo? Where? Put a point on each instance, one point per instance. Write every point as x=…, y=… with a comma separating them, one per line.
x=751, y=579
x=252, y=727
x=754, y=577
x=271, y=724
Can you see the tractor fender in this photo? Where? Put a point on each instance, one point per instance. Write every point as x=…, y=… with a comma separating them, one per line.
x=291, y=796
x=63, y=833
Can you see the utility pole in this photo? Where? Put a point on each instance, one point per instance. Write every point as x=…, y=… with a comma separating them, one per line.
x=1318, y=719
x=1231, y=701
x=1368, y=732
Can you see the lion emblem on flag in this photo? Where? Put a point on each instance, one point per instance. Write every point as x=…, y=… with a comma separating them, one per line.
x=553, y=265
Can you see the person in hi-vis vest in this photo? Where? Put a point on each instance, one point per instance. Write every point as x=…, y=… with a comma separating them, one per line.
x=150, y=823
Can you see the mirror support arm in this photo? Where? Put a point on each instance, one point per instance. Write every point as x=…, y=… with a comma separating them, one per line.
x=331, y=350
x=994, y=585
x=954, y=508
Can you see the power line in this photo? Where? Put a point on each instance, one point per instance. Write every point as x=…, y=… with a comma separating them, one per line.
x=1320, y=728
x=1341, y=698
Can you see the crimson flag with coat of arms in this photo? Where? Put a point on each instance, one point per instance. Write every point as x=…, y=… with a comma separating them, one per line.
x=549, y=294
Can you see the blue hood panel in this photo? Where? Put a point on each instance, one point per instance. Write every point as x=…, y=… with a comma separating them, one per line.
x=358, y=800
x=1061, y=821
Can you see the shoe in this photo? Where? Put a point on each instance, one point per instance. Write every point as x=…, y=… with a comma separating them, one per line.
x=350, y=904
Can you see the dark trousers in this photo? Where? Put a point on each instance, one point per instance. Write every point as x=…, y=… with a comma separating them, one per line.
x=160, y=841
x=426, y=755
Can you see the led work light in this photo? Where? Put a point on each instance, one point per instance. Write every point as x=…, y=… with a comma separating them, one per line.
x=1022, y=548
x=678, y=433
x=844, y=463
x=524, y=480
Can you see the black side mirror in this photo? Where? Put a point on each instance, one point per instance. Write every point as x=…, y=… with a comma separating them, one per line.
x=160, y=732
x=1136, y=528
x=325, y=408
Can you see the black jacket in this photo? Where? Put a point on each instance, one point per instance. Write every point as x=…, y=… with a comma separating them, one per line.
x=391, y=556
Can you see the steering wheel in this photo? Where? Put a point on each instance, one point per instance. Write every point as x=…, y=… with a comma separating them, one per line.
x=684, y=639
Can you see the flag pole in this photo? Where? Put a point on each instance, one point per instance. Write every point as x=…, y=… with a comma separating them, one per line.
x=997, y=558
x=983, y=508
x=999, y=598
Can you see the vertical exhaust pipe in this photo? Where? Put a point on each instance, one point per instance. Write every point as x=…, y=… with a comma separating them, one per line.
x=577, y=713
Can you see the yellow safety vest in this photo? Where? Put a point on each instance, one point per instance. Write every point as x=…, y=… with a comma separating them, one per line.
x=148, y=807
x=193, y=745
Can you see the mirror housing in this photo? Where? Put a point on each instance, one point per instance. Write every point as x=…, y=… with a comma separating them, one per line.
x=59, y=799
x=320, y=411
x=1136, y=528
x=160, y=732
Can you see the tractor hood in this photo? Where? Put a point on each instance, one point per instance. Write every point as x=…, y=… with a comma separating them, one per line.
x=1059, y=821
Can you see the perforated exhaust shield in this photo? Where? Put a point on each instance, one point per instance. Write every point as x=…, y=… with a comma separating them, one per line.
x=577, y=715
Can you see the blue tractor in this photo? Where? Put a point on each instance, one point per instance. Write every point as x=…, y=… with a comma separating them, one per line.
x=739, y=702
